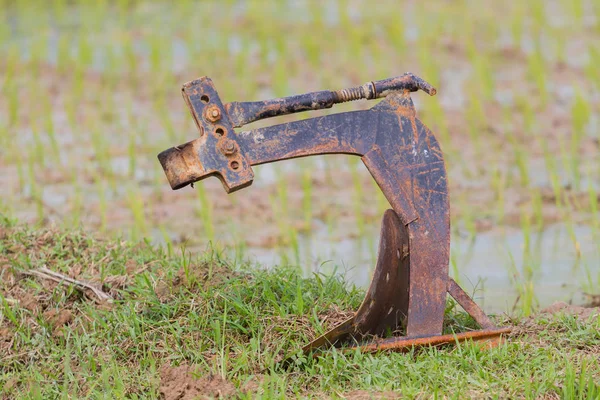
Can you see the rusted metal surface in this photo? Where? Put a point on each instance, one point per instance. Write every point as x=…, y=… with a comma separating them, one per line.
x=489, y=337
x=463, y=299
x=385, y=305
x=216, y=152
x=242, y=113
x=411, y=279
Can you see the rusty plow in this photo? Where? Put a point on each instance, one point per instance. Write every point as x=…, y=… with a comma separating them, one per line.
x=410, y=283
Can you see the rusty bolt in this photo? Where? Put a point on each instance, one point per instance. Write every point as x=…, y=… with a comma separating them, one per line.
x=213, y=114
x=228, y=147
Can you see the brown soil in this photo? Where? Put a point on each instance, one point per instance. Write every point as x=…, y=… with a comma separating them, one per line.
x=583, y=313
x=58, y=318
x=367, y=395
x=179, y=383
x=200, y=276
x=530, y=328
x=593, y=300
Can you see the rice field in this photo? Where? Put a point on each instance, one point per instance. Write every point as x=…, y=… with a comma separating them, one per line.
x=90, y=93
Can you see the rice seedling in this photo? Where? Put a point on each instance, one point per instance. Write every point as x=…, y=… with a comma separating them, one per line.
x=280, y=78
x=580, y=115
x=434, y=112
x=537, y=12
x=560, y=45
x=4, y=27
x=11, y=62
x=100, y=146
x=35, y=189
x=293, y=239
x=454, y=270
x=591, y=70
x=551, y=168
x=517, y=24
x=49, y=126
x=469, y=220
x=358, y=197
x=20, y=160
x=5, y=141
x=522, y=281
x=64, y=59
x=135, y=203
x=475, y=119
x=307, y=196
x=205, y=210
x=168, y=243
x=101, y=189
x=131, y=58
x=577, y=9
x=536, y=72
x=520, y=154
x=76, y=206
x=288, y=234
x=536, y=204
x=593, y=205
x=85, y=54
x=483, y=71
x=525, y=108
x=311, y=43
x=13, y=103
x=567, y=217
x=239, y=243
x=132, y=153
x=38, y=52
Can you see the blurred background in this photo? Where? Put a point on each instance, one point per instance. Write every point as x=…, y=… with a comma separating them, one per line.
x=90, y=94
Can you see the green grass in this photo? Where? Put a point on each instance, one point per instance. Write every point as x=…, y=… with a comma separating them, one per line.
x=238, y=322
x=82, y=84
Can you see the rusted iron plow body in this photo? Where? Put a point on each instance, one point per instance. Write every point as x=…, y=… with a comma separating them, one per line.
x=411, y=280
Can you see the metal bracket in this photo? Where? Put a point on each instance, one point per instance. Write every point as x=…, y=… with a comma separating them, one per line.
x=216, y=152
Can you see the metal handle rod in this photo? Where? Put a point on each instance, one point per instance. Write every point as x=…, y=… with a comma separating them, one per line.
x=242, y=113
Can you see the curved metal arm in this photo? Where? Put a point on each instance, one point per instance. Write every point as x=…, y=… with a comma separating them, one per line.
x=243, y=113
x=345, y=133
x=407, y=164
x=405, y=159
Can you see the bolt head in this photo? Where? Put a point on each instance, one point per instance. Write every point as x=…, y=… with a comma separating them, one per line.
x=213, y=114
x=228, y=147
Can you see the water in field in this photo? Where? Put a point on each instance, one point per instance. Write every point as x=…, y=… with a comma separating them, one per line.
x=490, y=266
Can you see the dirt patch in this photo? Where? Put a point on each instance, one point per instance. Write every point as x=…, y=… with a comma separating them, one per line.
x=58, y=318
x=37, y=298
x=583, y=313
x=367, y=395
x=547, y=329
x=29, y=302
x=202, y=276
x=179, y=383
x=6, y=337
x=593, y=300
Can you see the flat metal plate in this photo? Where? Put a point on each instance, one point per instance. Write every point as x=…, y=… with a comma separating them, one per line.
x=488, y=337
x=386, y=301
